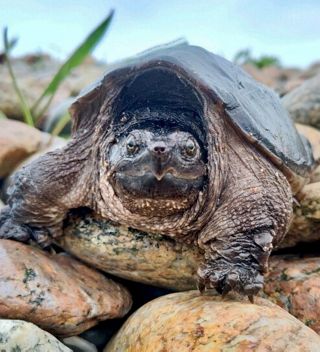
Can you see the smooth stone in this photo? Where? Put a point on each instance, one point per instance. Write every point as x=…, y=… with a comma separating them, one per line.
x=21, y=336
x=303, y=103
x=294, y=284
x=313, y=135
x=158, y=260
x=55, y=291
x=190, y=321
x=131, y=254
x=17, y=142
x=78, y=344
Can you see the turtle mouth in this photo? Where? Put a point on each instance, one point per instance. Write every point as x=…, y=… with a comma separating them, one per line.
x=156, y=186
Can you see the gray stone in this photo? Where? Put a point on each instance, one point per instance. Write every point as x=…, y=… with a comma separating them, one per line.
x=303, y=103
x=20, y=336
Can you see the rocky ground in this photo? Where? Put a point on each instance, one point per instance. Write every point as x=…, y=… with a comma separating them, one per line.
x=58, y=302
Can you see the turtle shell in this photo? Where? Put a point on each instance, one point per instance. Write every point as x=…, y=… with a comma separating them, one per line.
x=254, y=109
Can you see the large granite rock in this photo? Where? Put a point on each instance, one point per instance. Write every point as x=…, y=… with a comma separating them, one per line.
x=20, y=336
x=294, y=284
x=303, y=103
x=190, y=322
x=56, y=292
x=155, y=259
x=131, y=254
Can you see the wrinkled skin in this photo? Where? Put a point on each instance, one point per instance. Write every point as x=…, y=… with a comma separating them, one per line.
x=233, y=202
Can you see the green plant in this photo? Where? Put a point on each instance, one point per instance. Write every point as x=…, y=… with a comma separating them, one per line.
x=32, y=114
x=244, y=57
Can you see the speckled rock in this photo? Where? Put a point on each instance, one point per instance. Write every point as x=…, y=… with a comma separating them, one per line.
x=158, y=260
x=303, y=103
x=56, y=292
x=17, y=142
x=20, y=336
x=188, y=322
x=294, y=284
x=131, y=254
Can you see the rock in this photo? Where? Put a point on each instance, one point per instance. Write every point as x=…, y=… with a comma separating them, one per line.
x=20, y=336
x=132, y=254
x=303, y=103
x=189, y=321
x=294, y=284
x=305, y=226
x=313, y=135
x=48, y=143
x=78, y=344
x=17, y=142
x=158, y=260
x=56, y=292
x=282, y=80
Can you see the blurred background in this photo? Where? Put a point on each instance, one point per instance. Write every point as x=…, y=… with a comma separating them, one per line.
x=51, y=50
x=287, y=29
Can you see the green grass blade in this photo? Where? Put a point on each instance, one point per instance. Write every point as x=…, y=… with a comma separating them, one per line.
x=74, y=60
x=61, y=124
x=22, y=101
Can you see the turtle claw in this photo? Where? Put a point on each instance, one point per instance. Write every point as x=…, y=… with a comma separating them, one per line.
x=12, y=230
x=246, y=281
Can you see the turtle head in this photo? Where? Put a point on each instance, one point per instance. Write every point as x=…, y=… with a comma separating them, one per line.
x=157, y=171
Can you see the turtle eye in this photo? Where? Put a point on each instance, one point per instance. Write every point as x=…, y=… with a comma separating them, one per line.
x=132, y=145
x=190, y=148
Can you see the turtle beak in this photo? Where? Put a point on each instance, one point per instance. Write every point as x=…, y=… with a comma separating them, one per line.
x=159, y=159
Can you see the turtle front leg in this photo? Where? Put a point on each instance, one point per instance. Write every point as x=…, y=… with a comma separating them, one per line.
x=238, y=266
x=254, y=216
x=42, y=193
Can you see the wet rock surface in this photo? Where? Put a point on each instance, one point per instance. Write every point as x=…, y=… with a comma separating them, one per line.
x=294, y=284
x=56, y=292
x=189, y=321
x=20, y=336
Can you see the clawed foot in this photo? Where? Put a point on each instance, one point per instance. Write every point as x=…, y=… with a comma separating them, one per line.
x=9, y=229
x=230, y=277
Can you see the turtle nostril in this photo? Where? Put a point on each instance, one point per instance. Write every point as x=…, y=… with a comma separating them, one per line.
x=159, y=149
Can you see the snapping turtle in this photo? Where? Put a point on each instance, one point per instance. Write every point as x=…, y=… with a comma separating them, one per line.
x=176, y=141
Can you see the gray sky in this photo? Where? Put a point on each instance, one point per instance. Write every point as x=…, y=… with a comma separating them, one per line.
x=289, y=29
